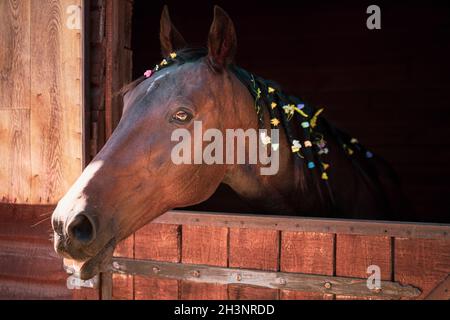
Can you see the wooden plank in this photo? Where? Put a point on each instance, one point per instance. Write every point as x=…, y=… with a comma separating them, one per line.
x=118, y=58
x=155, y=289
x=15, y=261
x=302, y=224
x=15, y=54
x=307, y=252
x=441, y=291
x=422, y=263
x=355, y=253
x=32, y=290
x=240, y=292
x=123, y=284
x=304, y=295
x=25, y=223
x=310, y=253
x=159, y=242
x=203, y=291
x=106, y=285
x=22, y=237
x=56, y=100
x=204, y=245
x=254, y=249
x=264, y=279
x=15, y=167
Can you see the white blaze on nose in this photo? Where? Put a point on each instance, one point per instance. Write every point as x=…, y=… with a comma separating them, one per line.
x=74, y=201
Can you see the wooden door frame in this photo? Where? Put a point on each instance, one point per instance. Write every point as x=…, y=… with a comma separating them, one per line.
x=108, y=67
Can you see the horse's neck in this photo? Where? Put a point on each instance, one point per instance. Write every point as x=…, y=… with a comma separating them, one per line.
x=293, y=190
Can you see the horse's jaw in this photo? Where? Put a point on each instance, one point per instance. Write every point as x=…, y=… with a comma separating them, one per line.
x=90, y=267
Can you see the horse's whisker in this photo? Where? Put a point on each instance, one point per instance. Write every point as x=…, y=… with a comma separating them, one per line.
x=39, y=222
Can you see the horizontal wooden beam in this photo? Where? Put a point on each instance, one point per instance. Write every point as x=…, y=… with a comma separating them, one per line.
x=302, y=224
x=266, y=279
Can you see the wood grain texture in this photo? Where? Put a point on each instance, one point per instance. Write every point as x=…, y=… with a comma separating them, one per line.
x=354, y=253
x=155, y=289
x=306, y=252
x=158, y=242
x=204, y=245
x=202, y=291
x=304, y=295
x=118, y=59
x=31, y=290
x=265, y=279
x=302, y=224
x=123, y=284
x=15, y=169
x=15, y=54
x=254, y=249
x=56, y=100
x=15, y=164
x=422, y=263
x=29, y=266
x=240, y=292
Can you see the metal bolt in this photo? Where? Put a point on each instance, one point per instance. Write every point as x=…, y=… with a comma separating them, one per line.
x=238, y=277
x=156, y=270
x=377, y=290
x=282, y=281
x=196, y=273
x=116, y=265
x=327, y=285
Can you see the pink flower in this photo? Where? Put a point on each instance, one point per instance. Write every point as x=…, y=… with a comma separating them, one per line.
x=148, y=73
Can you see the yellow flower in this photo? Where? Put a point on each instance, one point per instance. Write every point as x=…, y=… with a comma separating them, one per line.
x=350, y=151
x=270, y=90
x=289, y=110
x=275, y=122
x=164, y=62
x=324, y=176
x=325, y=166
x=299, y=111
x=273, y=105
x=173, y=55
x=313, y=121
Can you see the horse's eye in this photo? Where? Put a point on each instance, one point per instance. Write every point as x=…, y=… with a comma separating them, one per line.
x=181, y=116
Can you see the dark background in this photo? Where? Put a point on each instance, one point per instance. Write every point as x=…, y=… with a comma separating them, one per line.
x=390, y=88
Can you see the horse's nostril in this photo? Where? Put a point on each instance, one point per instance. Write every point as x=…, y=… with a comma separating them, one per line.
x=81, y=229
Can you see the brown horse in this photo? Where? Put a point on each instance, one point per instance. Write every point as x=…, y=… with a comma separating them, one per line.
x=133, y=180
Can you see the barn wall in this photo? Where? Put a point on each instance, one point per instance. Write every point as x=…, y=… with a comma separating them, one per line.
x=40, y=101
x=41, y=109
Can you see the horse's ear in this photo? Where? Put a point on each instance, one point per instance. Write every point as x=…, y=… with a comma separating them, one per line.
x=222, y=41
x=171, y=39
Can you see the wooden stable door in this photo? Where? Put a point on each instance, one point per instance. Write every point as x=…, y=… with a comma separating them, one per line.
x=41, y=99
